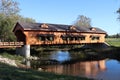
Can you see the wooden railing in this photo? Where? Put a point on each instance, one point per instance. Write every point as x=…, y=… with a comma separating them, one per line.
x=10, y=44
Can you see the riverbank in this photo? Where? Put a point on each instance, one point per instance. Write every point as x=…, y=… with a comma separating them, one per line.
x=8, y=61
x=11, y=69
x=8, y=72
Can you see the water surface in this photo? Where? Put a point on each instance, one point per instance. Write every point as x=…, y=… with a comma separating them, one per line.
x=106, y=69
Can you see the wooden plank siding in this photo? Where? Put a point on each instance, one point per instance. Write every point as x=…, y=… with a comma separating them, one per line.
x=33, y=39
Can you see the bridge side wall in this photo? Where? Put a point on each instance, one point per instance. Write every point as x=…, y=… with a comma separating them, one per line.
x=33, y=39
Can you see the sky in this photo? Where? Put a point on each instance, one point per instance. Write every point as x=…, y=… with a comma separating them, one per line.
x=101, y=12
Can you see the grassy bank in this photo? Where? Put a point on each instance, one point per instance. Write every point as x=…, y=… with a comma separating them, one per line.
x=12, y=73
x=113, y=42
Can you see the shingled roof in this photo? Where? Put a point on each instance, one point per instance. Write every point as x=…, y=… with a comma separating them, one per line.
x=57, y=27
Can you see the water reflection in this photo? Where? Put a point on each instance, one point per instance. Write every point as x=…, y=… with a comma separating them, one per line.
x=87, y=68
x=100, y=70
x=60, y=56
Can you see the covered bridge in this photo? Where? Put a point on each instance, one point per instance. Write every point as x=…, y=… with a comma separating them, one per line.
x=55, y=34
x=42, y=33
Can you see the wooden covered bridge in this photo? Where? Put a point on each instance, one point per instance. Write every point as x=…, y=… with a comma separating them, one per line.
x=41, y=34
x=55, y=34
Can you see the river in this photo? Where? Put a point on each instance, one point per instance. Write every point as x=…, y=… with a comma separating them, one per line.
x=105, y=69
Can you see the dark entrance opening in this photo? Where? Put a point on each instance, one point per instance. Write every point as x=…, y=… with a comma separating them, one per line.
x=20, y=36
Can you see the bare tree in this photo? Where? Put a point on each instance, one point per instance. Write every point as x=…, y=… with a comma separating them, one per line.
x=83, y=21
x=9, y=7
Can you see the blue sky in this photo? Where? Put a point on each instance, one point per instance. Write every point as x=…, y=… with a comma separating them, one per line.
x=102, y=12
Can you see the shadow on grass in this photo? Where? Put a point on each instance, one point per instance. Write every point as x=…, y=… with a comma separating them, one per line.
x=7, y=50
x=12, y=73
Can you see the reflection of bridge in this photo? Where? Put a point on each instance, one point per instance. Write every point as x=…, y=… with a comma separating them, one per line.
x=11, y=44
x=86, y=68
x=55, y=34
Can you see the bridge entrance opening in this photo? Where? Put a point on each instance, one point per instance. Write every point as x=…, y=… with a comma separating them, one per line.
x=20, y=36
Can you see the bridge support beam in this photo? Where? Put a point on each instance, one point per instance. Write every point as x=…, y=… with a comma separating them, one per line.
x=24, y=51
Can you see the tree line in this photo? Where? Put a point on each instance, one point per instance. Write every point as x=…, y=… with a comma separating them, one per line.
x=113, y=36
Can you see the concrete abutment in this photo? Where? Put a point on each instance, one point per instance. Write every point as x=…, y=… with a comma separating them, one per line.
x=24, y=51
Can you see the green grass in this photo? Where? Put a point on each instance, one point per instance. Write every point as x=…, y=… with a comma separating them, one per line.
x=10, y=53
x=113, y=42
x=12, y=73
x=12, y=56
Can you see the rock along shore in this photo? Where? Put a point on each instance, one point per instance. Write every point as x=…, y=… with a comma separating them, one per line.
x=8, y=61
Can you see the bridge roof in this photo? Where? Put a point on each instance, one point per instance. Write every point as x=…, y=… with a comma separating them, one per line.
x=57, y=27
